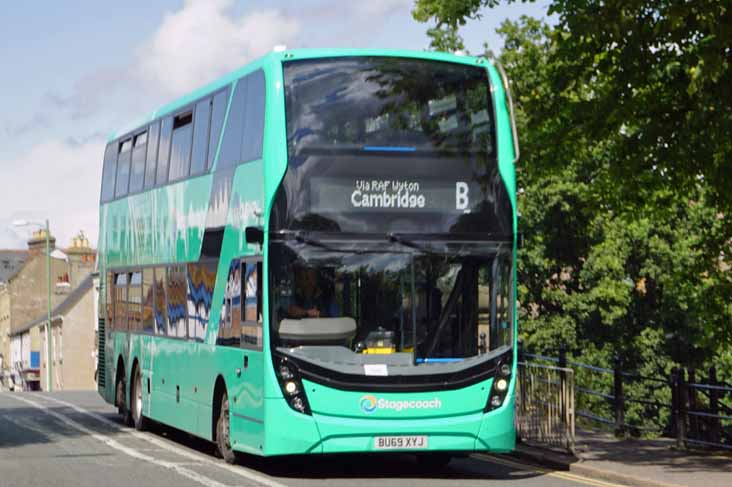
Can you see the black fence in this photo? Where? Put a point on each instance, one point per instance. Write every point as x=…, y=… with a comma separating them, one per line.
x=693, y=406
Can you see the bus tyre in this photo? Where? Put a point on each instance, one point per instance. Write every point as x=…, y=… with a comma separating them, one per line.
x=122, y=402
x=138, y=419
x=223, y=441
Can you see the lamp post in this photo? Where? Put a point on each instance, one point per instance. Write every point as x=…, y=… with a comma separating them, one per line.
x=25, y=223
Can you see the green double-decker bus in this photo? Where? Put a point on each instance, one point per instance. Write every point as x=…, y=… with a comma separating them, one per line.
x=316, y=254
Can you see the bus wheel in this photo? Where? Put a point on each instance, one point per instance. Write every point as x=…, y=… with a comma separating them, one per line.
x=138, y=420
x=223, y=441
x=122, y=401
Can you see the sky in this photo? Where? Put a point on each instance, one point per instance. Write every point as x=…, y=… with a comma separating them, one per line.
x=77, y=70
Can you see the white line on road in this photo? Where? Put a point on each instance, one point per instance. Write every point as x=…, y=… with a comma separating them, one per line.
x=190, y=474
x=237, y=470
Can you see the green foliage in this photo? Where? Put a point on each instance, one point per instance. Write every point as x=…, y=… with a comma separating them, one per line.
x=624, y=111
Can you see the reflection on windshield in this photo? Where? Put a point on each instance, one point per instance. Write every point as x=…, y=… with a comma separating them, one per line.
x=388, y=144
x=437, y=307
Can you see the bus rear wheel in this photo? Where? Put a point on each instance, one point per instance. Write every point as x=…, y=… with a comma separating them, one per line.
x=223, y=439
x=121, y=399
x=138, y=419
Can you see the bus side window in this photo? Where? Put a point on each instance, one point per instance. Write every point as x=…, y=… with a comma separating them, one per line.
x=109, y=172
x=244, y=130
x=230, y=320
x=109, y=318
x=120, y=302
x=152, y=155
x=251, y=310
x=134, y=302
x=123, y=168
x=180, y=150
x=201, y=283
x=176, y=286
x=166, y=129
x=218, y=111
x=148, y=299
x=137, y=173
x=251, y=147
x=161, y=307
x=201, y=124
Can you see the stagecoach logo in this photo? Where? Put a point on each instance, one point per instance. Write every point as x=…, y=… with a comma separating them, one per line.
x=369, y=404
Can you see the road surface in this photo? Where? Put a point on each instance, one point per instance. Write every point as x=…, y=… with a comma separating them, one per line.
x=75, y=439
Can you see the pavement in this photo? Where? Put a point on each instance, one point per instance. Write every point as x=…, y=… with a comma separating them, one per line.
x=635, y=462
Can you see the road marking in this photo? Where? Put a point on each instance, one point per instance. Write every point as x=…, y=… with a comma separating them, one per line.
x=237, y=470
x=535, y=469
x=190, y=474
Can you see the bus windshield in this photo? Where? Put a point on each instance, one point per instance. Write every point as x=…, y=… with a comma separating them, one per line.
x=387, y=144
x=349, y=303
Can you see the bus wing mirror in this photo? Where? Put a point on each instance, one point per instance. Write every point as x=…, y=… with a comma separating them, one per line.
x=254, y=235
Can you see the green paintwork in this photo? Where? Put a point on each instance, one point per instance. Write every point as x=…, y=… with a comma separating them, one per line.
x=165, y=225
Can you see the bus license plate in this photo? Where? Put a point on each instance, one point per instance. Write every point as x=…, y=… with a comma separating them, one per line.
x=400, y=442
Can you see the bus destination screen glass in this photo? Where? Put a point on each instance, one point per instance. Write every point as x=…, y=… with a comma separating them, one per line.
x=386, y=144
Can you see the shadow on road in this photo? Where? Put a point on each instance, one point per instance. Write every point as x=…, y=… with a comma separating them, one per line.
x=352, y=466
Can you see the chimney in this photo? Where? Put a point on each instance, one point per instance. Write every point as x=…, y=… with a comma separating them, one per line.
x=37, y=243
x=81, y=258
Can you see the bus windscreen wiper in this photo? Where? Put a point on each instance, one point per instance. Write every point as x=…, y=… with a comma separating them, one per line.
x=304, y=238
x=397, y=238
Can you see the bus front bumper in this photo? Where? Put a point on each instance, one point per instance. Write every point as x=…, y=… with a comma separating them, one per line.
x=290, y=433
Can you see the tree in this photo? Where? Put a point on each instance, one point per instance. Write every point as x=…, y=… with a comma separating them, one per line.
x=624, y=151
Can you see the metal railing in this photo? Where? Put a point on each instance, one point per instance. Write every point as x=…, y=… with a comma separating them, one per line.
x=545, y=405
x=696, y=411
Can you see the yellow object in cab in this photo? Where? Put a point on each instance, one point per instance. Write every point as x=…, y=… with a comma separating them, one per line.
x=379, y=350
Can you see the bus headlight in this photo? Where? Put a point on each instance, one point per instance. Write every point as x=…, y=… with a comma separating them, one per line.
x=500, y=385
x=288, y=375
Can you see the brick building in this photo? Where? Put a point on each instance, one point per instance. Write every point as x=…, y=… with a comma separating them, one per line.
x=23, y=314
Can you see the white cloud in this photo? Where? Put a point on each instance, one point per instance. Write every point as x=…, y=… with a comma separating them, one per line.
x=203, y=40
x=58, y=180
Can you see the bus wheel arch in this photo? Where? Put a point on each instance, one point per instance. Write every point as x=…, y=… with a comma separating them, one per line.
x=220, y=421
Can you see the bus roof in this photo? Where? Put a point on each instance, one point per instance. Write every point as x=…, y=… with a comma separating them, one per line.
x=289, y=55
